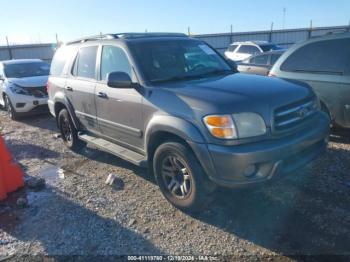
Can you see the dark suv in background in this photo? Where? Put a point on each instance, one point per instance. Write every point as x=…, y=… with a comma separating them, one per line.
x=324, y=64
x=172, y=103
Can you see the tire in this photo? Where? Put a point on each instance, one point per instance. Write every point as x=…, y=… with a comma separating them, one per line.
x=10, y=109
x=181, y=178
x=68, y=132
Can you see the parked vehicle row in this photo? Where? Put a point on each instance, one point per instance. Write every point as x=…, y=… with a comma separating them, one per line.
x=175, y=105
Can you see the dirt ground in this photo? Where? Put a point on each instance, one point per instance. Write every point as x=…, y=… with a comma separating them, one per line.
x=306, y=213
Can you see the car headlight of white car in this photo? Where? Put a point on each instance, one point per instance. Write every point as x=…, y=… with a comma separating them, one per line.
x=240, y=125
x=19, y=90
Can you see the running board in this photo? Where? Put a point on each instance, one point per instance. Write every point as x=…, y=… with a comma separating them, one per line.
x=119, y=151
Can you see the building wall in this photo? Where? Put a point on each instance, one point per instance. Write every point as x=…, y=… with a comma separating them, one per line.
x=284, y=38
x=220, y=42
x=41, y=51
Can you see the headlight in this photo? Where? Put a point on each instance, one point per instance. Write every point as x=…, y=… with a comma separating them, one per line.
x=19, y=90
x=241, y=125
x=249, y=124
x=221, y=126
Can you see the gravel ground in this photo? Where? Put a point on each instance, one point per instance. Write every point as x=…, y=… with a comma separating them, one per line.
x=78, y=214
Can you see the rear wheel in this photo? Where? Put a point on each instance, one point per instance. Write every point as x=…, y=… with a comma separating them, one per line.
x=181, y=178
x=10, y=109
x=68, y=131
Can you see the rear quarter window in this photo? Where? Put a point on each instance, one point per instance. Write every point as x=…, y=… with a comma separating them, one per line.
x=232, y=48
x=328, y=56
x=60, y=59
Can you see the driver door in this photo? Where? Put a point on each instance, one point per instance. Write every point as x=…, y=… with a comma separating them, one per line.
x=119, y=110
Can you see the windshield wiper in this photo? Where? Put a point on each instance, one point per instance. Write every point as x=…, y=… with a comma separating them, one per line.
x=175, y=78
x=179, y=78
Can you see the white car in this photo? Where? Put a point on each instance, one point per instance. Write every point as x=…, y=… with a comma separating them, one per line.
x=239, y=51
x=23, y=86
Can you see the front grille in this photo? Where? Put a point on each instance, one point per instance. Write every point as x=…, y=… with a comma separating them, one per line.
x=292, y=115
x=38, y=91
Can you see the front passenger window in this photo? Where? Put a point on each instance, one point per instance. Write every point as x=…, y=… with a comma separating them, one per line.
x=114, y=59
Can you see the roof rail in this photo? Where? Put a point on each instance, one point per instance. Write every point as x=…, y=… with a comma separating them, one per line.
x=92, y=38
x=143, y=35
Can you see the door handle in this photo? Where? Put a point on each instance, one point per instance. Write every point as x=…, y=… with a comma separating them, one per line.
x=102, y=95
x=69, y=89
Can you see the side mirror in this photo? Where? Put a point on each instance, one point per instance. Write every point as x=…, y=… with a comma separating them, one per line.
x=119, y=80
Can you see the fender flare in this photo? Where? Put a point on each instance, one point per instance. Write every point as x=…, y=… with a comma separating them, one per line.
x=174, y=125
x=61, y=98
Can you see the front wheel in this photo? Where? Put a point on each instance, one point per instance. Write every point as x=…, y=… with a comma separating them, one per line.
x=181, y=178
x=68, y=131
x=10, y=109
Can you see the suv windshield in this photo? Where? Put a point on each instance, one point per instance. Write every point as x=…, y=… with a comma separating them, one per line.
x=26, y=69
x=177, y=60
x=267, y=48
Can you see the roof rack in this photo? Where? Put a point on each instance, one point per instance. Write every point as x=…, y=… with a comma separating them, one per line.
x=93, y=38
x=124, y=36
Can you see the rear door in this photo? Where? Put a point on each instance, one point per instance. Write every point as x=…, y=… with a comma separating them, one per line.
x=119, y=110
x=80, y=87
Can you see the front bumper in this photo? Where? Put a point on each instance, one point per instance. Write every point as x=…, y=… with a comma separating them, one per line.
x=29, y=104
x=226, y=165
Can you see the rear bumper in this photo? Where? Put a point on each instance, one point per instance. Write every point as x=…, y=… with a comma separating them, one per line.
x=227, y=165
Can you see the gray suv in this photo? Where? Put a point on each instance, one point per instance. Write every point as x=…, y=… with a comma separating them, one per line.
x=173, y=104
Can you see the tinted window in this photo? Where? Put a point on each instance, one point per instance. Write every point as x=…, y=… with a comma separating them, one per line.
x=29, y=69
x=114, y=59
x=267, y=48
x=60, y=59
x=232, y=48
x=329, y=56
x=85, y=63
x=176, y=60
x=261, y=60
x=248, y=49
x=274, y=58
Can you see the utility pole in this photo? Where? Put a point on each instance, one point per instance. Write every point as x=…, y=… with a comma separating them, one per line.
x=284, y=17
x=9, y=48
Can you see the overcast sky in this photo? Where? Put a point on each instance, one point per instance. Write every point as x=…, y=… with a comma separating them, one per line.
x=39, y=20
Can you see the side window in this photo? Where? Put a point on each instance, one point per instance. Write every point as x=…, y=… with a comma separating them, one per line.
x=261, y=60
x=232, y=48
x=60, y=59
x=274, y=58
x=328, y=56
x=85, y=62
x=248, y=49
x=114, y=59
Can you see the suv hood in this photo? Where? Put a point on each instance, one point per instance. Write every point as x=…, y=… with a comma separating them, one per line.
x=29, y=81
x=233, y=93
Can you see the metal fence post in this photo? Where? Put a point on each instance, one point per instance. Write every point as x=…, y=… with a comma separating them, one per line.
x=310, y=30
x=9, y=48
x=270, y=35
